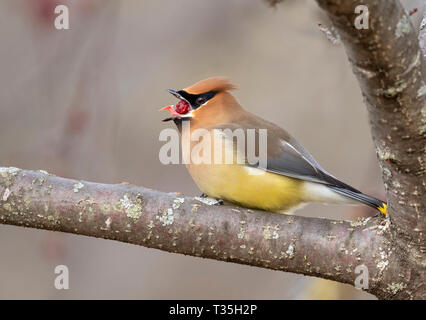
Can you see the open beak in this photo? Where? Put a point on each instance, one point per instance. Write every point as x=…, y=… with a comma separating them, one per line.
x=168, y=119
x=175, y=93
x=171, y=109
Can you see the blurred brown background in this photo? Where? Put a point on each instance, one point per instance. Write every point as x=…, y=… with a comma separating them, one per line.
x=83, y=103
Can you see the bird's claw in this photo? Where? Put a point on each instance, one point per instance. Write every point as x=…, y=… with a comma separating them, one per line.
x=219, y=202
x=209, y=201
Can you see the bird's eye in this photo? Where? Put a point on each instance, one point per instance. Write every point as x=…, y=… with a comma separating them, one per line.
x=200, y=100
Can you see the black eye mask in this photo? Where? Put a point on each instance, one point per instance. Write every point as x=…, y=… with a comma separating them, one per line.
x=197, y=100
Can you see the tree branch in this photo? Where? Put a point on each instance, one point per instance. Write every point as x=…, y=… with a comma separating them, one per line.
x=422, y=33
x=171, y=222
x=387, y=61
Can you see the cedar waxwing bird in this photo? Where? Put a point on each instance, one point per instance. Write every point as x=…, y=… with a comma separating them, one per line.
x=290, y=177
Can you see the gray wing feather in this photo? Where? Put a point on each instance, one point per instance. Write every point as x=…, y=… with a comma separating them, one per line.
x=296, y=162
x=289, y=158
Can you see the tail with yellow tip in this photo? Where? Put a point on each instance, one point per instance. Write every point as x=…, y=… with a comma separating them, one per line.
x=370, y=201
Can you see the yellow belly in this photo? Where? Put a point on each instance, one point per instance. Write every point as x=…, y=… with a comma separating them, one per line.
x=237, y=184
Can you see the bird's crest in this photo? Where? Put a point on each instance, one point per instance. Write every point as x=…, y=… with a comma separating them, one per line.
x=211, y=84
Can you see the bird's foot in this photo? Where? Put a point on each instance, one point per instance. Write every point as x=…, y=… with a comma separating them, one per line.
x=220, y=202
x=209, y=201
